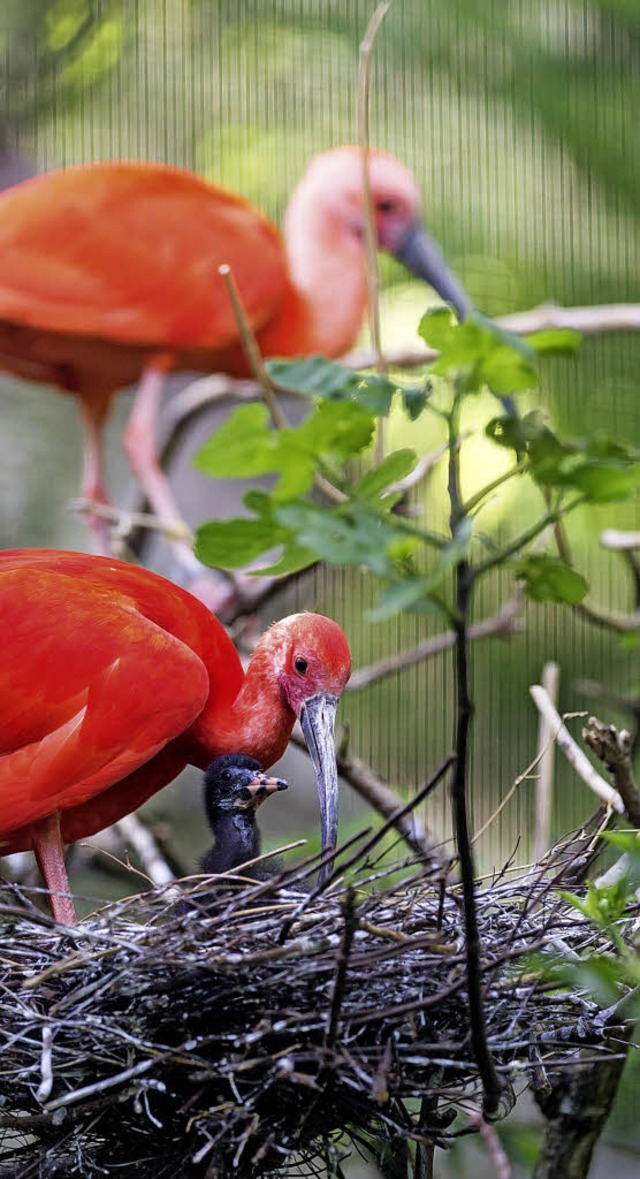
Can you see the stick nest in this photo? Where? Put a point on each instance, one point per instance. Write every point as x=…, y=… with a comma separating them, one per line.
x=264, y=1029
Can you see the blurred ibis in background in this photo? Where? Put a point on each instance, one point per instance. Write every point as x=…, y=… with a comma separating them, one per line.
x=110, y=275
x=113, y=679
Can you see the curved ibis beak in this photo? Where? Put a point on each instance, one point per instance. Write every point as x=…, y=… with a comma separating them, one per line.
x=318, y=719
x=417, y=251
x=258, y=790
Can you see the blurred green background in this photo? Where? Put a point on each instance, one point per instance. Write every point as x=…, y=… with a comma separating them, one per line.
x=520, y=120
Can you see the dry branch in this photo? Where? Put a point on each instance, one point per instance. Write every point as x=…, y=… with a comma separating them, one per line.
x=596, y=320
x=546, y=752
x=505, y=623
x=573, y=753
x=613, y=747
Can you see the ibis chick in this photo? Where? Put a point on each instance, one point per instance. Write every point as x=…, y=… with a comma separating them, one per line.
x=234, y=787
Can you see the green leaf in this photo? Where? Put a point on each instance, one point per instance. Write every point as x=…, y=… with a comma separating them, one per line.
x=238, y=448
x=318, y=377
x=479, y=352
x=516, y=433
x=603, y=482
x=602, y=445
x=294, y=558
x=469, y=344
x=246, y=445
x=600, y=468
x=350, y=534
x=505, y=371
x=599, y=975
x=392, y=468
x=602, y=904
x=438, y=327
x=230, y=544
x=333, y=431
x=554, y=340
x=414, y=400
x=411, y=595
x=548, y=579
x=627, y=843
x=417, y=595
x=502, y=336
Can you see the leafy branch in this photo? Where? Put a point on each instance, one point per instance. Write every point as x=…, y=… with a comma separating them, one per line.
x=420, y=571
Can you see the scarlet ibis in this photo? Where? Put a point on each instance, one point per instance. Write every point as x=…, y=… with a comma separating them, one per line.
x=234, y=787
x=113, y=679
x=110, y=275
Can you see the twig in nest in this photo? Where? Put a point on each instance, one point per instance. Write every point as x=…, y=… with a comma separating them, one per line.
x=46, y=1067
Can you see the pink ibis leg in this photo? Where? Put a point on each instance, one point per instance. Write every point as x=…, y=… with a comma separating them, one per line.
x=47, y=845
x=93, y=489
x=140, y=446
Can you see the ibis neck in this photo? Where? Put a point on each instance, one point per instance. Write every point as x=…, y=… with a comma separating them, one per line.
x=237, y=839
x=258, y=722
x=326, y=268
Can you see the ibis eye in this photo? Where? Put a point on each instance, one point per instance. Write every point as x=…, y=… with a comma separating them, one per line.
x=301, y=665
x=386, y=206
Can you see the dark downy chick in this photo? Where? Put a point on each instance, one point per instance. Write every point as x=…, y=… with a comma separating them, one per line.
x=234, y=787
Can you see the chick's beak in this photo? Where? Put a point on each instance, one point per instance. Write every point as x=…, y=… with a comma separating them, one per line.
x=417, y=251
x=258, y=790
x=318, y=718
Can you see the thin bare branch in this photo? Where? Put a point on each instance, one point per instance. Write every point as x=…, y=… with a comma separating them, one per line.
x=613, y=538
x=391, y=806
x=589, y=321
x=370, y=237
x=572, y=751
x=505, y=623
x=500, y=1164
x=252, y=350
x=546, y=752
x=139, y=839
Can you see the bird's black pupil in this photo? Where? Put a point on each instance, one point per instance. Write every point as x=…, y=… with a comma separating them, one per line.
x=386, y=206
x=301, y=666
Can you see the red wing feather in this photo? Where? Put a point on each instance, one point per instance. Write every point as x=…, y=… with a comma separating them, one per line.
x=129, y=252
x=90, y=690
